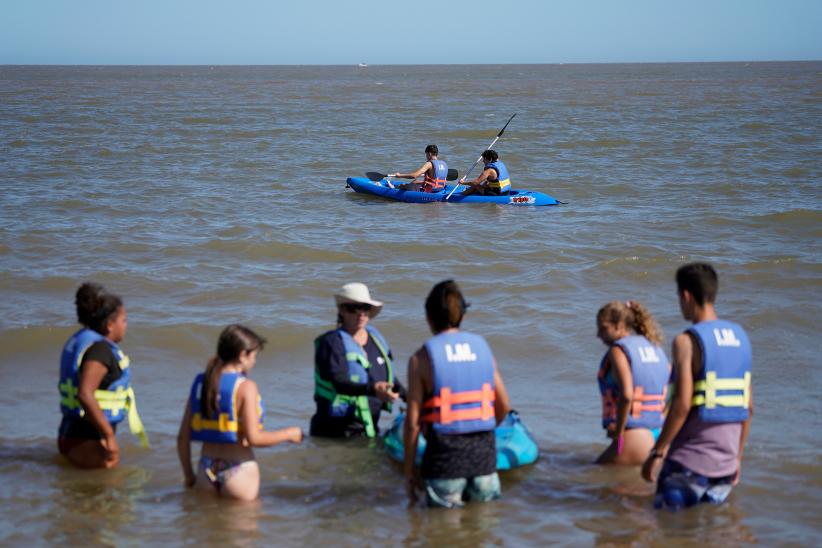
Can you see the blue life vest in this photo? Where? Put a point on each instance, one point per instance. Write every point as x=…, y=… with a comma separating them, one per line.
x=723, y=390
x=650, y=375
x=117, y=402
x=503, y=182
x=224, y=428
x=340, y=405
x=440, y=175
x=464, y=390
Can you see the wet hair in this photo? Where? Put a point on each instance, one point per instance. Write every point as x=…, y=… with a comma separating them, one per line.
x=233, y=340
x=432, y=149
x=96, y=306
x=445, y=306
x=700, y=280
x=490, y=155
x=634, y=315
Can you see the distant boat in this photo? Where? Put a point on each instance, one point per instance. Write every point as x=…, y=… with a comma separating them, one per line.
x=363, y=65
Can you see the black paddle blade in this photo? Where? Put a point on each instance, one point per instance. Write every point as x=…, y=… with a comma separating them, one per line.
x=453, y=175
x=375, y=176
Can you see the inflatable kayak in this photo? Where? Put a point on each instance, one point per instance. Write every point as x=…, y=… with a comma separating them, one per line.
x=515, y=445
x=381, y=188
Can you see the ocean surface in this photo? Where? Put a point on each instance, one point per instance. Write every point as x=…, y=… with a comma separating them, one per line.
x=211, y=195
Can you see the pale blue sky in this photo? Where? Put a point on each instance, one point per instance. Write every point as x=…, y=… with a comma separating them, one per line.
x=400, y=32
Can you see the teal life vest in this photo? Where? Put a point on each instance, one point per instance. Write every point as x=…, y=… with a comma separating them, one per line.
x=226, y=426
x=340, y=405
x=117, y=401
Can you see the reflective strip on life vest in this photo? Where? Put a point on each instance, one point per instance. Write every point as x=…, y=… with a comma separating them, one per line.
x=446, y=414
x=499, y=185
x=650, y=402
x=705, y=391
x=222, y=424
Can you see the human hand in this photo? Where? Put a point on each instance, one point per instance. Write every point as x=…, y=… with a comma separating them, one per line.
x=190, y=479
x=650, y=468
x=295, y=434
x=393, y=174
x=385, y=391
x=112, y=451
x=412, y=484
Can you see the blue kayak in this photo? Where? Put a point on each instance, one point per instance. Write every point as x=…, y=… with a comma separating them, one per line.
x=381, y=188
x=515, y=445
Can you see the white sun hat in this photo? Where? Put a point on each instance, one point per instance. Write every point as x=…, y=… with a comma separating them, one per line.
x=356, y=292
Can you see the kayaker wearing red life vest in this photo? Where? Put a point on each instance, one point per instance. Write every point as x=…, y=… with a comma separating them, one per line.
x=434, y=169
x=633, y=379
x=456, y=397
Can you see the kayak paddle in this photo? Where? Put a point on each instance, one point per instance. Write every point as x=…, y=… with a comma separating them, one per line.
x=375, y=176
x=480, y=158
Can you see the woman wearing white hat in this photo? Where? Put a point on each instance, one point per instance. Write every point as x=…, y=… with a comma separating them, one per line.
x=353, y=376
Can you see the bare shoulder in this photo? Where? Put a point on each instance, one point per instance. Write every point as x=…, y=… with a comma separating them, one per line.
x=247, y=388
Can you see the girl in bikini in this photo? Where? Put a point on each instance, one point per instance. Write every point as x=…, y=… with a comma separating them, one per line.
x=225, y=413
x=633, y=377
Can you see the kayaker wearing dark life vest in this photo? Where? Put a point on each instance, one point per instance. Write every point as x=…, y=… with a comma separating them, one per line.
x=353, y=375
x=434, y=169
x=456, y=397
x=494, y=179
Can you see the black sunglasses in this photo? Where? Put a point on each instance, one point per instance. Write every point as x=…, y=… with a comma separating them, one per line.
x=351, y=308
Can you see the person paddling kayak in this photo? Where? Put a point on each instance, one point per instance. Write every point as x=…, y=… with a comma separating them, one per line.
x=494, y=179
x=434, y=169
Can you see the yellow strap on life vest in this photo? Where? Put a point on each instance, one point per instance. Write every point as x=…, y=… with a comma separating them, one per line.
x=119, y=400
x=499, y=185
x=712, y=383
x=135, y=424
x=222, y=424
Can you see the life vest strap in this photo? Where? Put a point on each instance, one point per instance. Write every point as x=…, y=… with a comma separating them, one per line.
x=222, y=424
x=444, y=413
x=705, y=391
x=642, y=402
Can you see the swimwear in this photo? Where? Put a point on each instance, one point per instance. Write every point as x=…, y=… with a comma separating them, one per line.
x=74, y=431
x=219, y=470
x=453, y=492
x=678, y=487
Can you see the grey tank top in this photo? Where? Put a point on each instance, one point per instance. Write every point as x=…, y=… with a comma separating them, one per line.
x=707, y=448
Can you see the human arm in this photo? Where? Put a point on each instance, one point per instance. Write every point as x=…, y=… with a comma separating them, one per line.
x=743, y=437
x=625, y=381
x=184, y=447
x=481, y=178
x=91, y=375
x=416, y=174
x=501, y=404
x=683, y=363
x=248, y=395
x=411, y=428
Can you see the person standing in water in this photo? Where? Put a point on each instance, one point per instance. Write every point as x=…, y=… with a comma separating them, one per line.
x=95, y=382
x=434, y=169
x=353, y=369
x=633, y=380
x=225, y=412
x=456, y=397
x=703, y=439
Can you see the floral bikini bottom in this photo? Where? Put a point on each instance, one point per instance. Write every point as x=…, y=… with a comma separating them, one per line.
x=218, y=470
